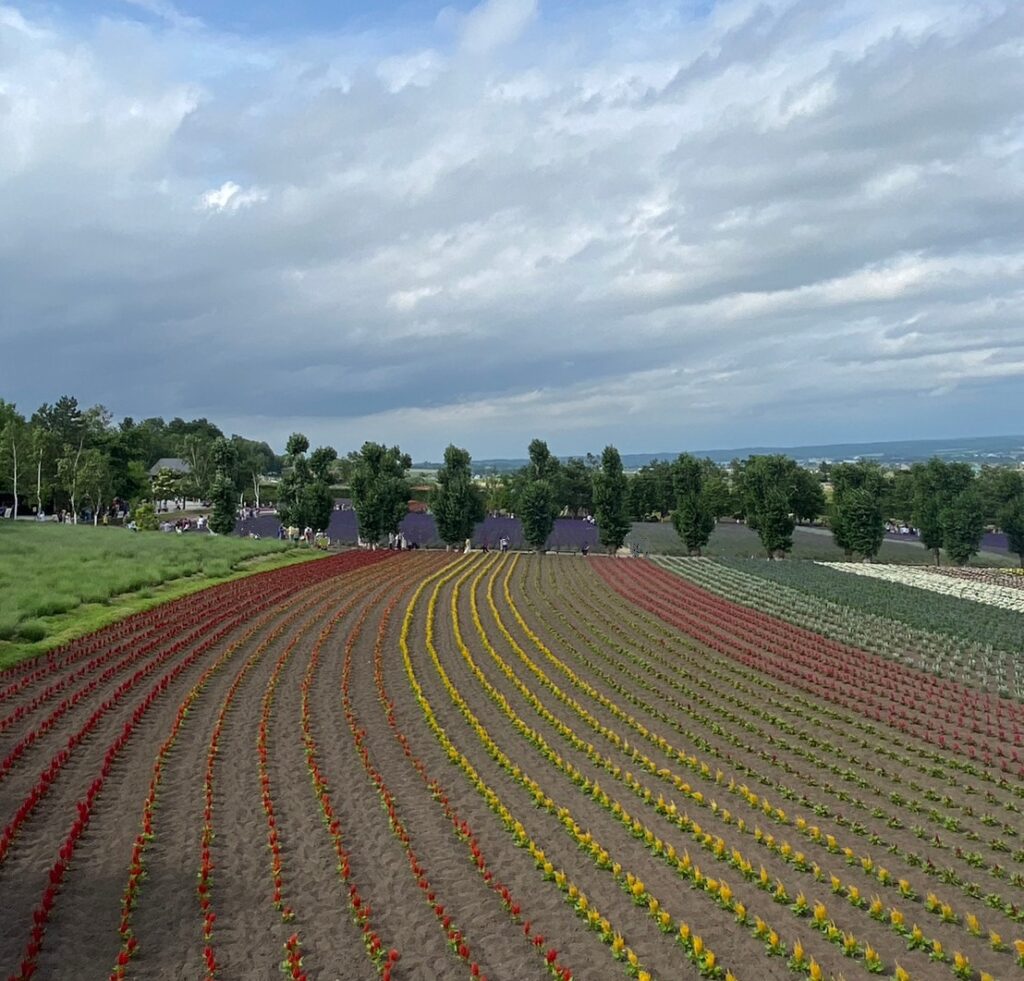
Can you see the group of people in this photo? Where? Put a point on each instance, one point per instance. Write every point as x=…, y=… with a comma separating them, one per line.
x=293, y=534
x=184, y=524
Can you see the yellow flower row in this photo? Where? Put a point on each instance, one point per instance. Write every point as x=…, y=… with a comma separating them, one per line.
x=584, y=908
x=784, y=849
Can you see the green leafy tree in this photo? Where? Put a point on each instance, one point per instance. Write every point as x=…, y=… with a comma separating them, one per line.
x=252, y=461
x=15, y=448
x=456, y=501
x=537, y=510
x=318, y=498
x=380, y=489
x=775, y=523
x=305, y=491
x=767, y=485
x=166, y=486
x=856, y=514
x=963, y=524
x=536, y=503
x=1011, y=520
x=144, y=516
x=222, y=489
x=642, y=503
x=807, y=497
x=96, y=478
x=196, y=449
x=898, y=502
x=936, y=485
x=611, y=500
x=498, y=489
x=577, y=486
x=694, y=514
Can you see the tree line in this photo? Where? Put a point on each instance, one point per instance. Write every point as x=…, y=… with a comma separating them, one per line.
x=64, y=455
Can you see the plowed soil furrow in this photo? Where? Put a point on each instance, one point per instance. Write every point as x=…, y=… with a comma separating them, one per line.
x=758, y=902
x=539, y=824
x=249, y=932
x=378, y=863
x=172, y=946
x=493, y=939
x=541, y=905
x=34, y=848
x=542, y=826
x=869, y=786
x=332, y=945
x=953, y=937
x=702, y=910
x=654, y=948
x=512, y=871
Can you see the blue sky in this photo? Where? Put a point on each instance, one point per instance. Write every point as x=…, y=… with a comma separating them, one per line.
x=664, y=225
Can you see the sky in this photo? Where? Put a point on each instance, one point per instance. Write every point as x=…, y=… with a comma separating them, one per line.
x=660, y=225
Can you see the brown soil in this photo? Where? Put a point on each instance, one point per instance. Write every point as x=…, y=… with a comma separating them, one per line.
x=606, y=686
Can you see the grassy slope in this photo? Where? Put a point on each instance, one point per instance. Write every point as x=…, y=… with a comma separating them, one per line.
x=59, y=581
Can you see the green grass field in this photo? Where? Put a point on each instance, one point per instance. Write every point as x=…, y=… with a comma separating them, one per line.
x=60, y=581
x=731, y=540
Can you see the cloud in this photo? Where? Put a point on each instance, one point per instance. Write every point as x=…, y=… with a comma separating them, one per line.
x=166, y=11
x=230, y=197
x=766, y=223
x=494, y=23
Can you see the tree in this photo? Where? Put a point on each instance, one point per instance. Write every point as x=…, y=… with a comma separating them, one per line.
x=96, y=478
x=305, y=492
x=166, y=486
x=82, y=431
x=318, y=500
x=380, y=489
x=807, y=498
x=537, y=510
x=145, y=517
x=196, y=449
x=535, y=500
x=775, y=522
x=576, y=491
x=15, y=447
x=642, y=505
x=456, y=501
x=936, y=484
x=694, y=514
x=1011, y=520
x=856, y=515
x=542, y=465
x=611, y=500
x=252, y=461
x=963, y=524
x=222, y=490
x=766, y=488
x=898, y=502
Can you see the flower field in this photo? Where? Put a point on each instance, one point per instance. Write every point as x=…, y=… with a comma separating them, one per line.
x=421, y=765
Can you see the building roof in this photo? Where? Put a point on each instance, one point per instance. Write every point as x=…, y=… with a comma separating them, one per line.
x=172, y=463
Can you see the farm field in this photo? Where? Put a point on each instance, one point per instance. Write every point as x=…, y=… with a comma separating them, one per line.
x=734, y=541
x=61, y=580
x=420, y=765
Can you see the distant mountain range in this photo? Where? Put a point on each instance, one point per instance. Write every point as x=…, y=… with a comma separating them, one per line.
x=973, y=449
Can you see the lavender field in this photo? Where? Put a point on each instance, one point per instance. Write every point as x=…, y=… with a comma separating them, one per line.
x=569, y=534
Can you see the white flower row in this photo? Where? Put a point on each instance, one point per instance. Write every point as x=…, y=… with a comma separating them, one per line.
x=922, y=577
